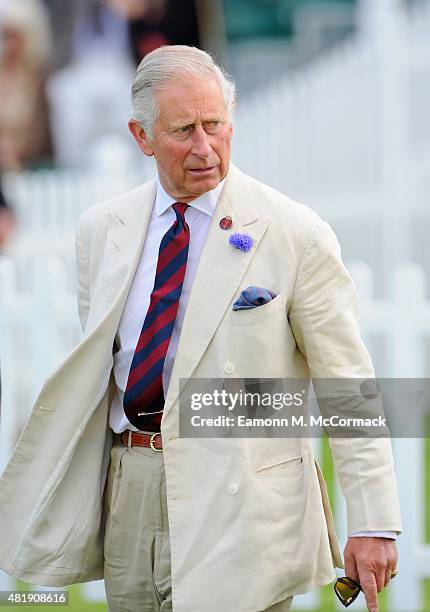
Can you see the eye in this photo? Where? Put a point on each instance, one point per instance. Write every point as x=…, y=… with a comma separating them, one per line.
x=184, y=131
x=212, y=126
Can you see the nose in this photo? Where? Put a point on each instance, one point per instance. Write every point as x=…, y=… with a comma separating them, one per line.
x=201, y=145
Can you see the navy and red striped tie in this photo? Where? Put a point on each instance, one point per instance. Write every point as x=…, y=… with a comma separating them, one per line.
x=144, y=390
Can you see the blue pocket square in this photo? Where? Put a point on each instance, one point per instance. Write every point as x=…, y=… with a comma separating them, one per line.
x=251, y=297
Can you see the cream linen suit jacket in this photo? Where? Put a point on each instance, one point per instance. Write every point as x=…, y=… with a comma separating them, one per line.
x=272, y=538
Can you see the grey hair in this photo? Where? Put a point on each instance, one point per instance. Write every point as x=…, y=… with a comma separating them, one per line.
x=173, y=62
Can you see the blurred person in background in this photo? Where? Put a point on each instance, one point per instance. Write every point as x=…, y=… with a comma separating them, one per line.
x=153, y=23
x=99, y=27
x=79, y=25
x=139, y=25
x=7, y=221
x=62, y=14
x=25, y=139
x=89, y=98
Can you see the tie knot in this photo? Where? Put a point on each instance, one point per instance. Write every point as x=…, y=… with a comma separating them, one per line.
x=180, y=208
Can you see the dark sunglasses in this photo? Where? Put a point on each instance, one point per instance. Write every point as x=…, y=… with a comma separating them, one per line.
x=347, y=590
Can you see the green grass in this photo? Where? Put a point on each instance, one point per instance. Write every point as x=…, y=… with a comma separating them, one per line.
x=426, y=595
x=426, y=483
x=327, y=595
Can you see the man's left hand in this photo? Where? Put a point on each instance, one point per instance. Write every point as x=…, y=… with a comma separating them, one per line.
x=370, y=562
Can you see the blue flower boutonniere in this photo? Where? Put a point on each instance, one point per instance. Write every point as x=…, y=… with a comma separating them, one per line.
x=243, y=242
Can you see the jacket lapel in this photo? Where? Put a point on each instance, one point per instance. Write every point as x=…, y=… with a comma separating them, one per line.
x=126, y=231
x=219, y=274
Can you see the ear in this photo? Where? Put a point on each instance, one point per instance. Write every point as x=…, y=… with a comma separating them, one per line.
x=140, y=137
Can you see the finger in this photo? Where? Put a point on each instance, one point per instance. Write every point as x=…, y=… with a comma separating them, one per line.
x=380, y=577
x=396, y=556
x=368, y=585
x=351, y=568
x=391, y=565
x=387, y=576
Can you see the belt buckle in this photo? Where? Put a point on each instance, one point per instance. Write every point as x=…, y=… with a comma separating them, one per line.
x=151, y=442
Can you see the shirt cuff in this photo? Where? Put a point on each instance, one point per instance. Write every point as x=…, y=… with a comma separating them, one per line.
x=374, y=534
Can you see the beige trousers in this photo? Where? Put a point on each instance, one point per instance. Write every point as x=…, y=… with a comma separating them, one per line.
x=137, y=546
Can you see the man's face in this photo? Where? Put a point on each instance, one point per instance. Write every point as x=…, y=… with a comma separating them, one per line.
x=191, y=138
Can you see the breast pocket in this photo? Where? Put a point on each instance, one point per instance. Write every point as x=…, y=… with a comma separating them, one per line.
x=260, y=313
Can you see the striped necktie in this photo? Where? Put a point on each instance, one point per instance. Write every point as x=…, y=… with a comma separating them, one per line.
x=144, y=390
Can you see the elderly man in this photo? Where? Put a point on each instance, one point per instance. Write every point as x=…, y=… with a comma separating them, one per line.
x=100, y=483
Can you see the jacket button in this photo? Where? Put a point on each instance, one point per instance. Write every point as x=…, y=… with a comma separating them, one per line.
x=229, y=367
x=232, y=488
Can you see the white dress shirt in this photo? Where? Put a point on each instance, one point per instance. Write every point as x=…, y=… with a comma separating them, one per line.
x=198, y=216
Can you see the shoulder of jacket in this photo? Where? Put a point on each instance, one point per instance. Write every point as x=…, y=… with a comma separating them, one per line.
x=90, y=219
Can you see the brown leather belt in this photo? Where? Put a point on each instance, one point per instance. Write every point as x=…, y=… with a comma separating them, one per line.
x=137, y=438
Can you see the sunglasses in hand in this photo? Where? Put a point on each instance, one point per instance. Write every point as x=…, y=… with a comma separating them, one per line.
x=347, y=589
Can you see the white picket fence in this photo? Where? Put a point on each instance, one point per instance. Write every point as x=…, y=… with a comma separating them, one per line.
x=48, y=203
x=349, y=134
x=39, y=326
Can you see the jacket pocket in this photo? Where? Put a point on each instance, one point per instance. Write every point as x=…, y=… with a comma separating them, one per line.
x=259, y=313
x=113, y=479
x=288, y=463
x=334, y=543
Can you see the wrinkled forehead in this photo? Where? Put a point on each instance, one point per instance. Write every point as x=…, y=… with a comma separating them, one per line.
x=190, y=99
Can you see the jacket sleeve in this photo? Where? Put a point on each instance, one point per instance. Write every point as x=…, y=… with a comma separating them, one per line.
x=83, y=285
x=324, y=320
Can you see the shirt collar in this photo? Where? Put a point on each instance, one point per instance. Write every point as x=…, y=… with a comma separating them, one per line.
x=205, y=203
